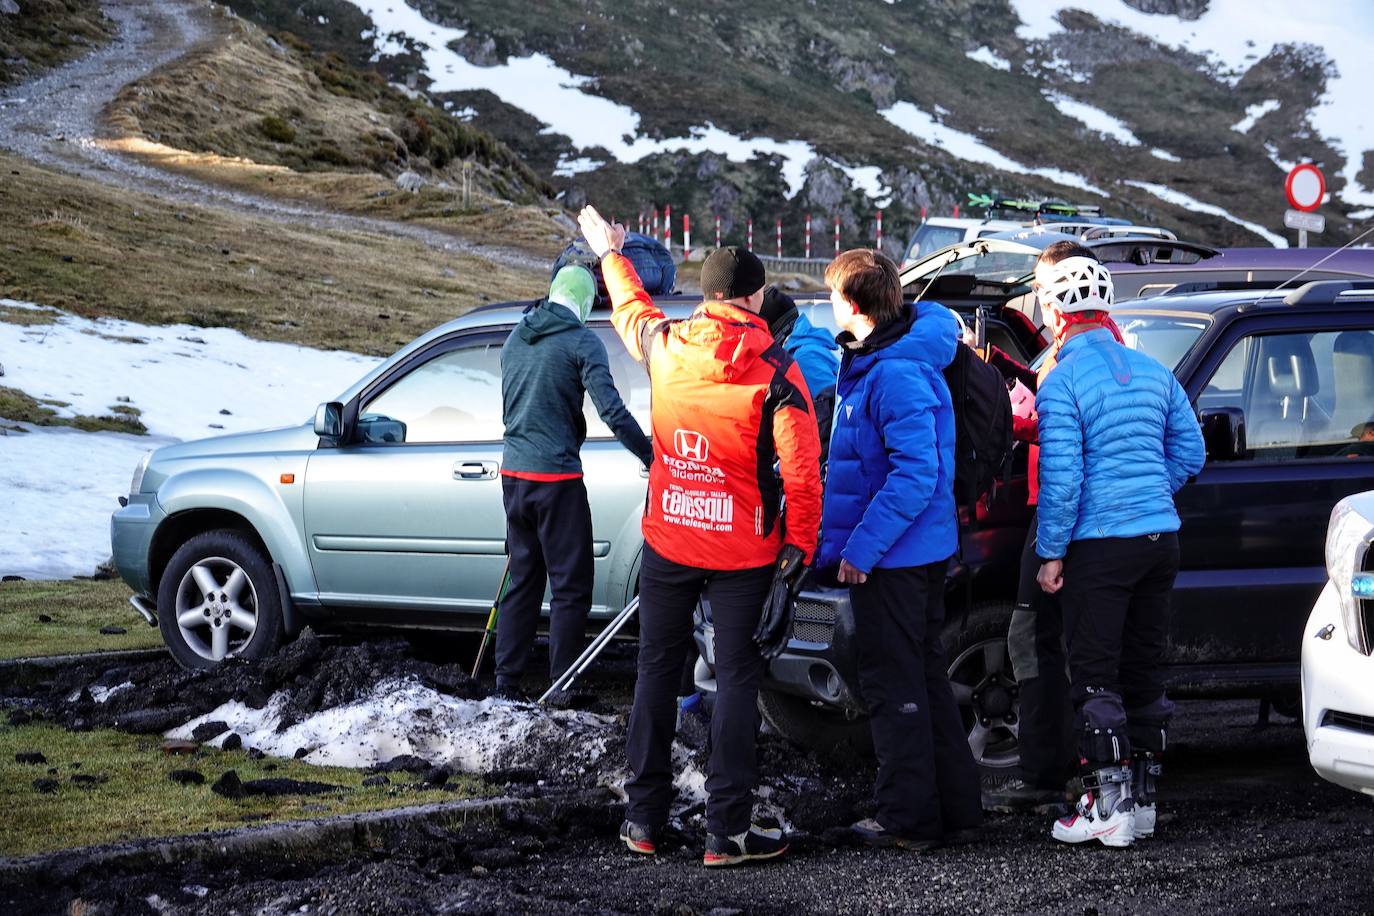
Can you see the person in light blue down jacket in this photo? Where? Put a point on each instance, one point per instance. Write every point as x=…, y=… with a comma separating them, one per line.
x=815, y=351
x=888, y=523
x=1118, y=438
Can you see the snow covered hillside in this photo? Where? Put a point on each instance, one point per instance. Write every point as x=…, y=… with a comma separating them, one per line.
x=183, y=382
x=1184, y=113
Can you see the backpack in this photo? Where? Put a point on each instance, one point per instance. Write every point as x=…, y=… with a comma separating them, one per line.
x=982, y=426
x=652, y=261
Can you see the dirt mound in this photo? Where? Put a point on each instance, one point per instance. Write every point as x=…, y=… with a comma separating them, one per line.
x=152, y=697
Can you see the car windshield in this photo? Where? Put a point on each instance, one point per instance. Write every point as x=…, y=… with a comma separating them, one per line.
x=930, y=239
x=1166, y=338
x=987, y=266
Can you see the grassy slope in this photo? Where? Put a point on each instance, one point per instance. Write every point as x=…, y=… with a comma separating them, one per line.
x=276, y=118
x=46, y=33
x=111, y=252
x=135, y=798
x=78, y=608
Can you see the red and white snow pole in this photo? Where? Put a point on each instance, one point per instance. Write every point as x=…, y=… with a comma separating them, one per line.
x=653, y=225
x=779, y=236
x=956, y=211
x=923, y=214
x=717, y=231
x=837, y=236
x=668, y=226
x=750, y=243
x=879, y=233
x=808, y=236
x=640, y=230
x=686, y=236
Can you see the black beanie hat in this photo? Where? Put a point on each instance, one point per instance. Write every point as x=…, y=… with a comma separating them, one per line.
x=731, y=273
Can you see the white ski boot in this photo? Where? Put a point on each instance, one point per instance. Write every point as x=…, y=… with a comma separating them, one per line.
x=1105, y=813
x=1145, y=770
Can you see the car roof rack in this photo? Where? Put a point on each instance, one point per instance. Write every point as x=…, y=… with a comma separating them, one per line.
x=1327, y=292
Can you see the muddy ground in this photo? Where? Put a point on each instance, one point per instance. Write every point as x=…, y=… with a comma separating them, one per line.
x=1246, y=827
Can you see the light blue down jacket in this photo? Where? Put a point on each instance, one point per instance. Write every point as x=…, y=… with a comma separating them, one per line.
x=1117, y=440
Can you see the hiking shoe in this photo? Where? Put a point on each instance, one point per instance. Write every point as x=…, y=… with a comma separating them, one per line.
x=756, y=843
x=875, y=834
x=639, y=838
x=1089, y=822
x=1018, y=795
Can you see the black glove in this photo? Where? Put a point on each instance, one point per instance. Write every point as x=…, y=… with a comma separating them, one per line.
x=775, y=625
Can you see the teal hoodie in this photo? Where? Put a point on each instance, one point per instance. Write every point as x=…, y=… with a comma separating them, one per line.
x=547, y=363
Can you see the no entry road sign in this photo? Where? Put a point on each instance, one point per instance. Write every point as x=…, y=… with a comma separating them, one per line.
x=1305, y=187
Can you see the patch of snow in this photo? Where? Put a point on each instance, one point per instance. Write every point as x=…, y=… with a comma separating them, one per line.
x=1253, y=113
x=403, y=716
x=1183, y=200
x=1232, y=33
x=968, y=147
x=564, y=101
x=868, y=179
x=1362, y=214
x=103, y=694
x=1093, y=118
x=466, y=113
x=566, y=168
x=61, y=484
x=1165, y=155
x=890, y=52
x=1273, y=152
x=986, y=55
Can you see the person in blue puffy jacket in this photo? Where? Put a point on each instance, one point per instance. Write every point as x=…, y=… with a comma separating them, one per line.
x=889, y=525
x=1118, y=438
x=814, y=350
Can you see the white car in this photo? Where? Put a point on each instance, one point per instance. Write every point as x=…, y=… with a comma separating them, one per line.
x=1337, y=664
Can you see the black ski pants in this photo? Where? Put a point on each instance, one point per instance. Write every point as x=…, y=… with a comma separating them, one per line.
x=1116, y=616
x=927, y=784
x=668, y=596
x=549, y=535
x=1035, y=642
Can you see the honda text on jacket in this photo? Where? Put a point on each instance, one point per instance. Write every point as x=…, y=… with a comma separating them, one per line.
x=889, y=498
x=728, y=403
x=1117, y=439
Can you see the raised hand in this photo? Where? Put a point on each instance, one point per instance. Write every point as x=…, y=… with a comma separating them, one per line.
x=601, y=235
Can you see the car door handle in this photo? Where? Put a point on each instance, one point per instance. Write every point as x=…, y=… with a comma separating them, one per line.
x=475, y=470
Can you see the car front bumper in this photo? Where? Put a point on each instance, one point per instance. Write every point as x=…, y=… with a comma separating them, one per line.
x=1338, y=699
x=131, y=538
x=819, y=662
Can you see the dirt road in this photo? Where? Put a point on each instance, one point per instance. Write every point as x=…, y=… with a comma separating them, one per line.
x=56, y=119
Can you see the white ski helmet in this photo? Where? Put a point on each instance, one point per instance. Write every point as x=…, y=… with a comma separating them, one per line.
x=1076, y=284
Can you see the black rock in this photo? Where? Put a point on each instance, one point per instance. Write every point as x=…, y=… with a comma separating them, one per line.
x=437, y=776
x=301, y=752
x=495, y=857
x=268, y=767
x=45, y=785
x=11, y=578
x=233, y=742
x=283, y=786
x=112, y=631
x=85, y=779
x=405, y=763
x=33, y=757
x=255, y=754
x=20, y=717
x=192, y=778
x=44, y=618
x=207, y=730
x=228, y=785
x=378, y=780
x=224, y=412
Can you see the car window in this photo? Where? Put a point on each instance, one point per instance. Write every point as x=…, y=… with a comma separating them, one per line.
x=930, y=239
x=1167, y=338
x=631, y=380
x=454, y=397
x=1302, y=395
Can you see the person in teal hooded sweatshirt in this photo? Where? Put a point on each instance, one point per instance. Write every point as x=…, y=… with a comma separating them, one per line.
x=549, y=361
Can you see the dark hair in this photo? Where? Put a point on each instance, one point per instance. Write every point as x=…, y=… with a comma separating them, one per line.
x=870, y=280
x=1063, y=250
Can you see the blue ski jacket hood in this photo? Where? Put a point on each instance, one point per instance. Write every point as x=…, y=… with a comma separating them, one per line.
x=1117, y=440
x=816, y=353
x=889, y=500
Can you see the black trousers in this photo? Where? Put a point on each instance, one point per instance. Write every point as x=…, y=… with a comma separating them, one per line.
x=668, y=596
x=927, y=782
x=1035, y=643
x=1116, y=616
x=549, y=534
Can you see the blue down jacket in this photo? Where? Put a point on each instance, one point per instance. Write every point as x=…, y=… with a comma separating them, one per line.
x=889, y=498
x=1117, y=440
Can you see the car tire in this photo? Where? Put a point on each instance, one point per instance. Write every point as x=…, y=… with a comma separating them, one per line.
x=218, y=599
x=980, y=674
x=827, y=731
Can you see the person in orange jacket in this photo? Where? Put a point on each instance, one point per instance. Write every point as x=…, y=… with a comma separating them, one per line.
x=728, y=404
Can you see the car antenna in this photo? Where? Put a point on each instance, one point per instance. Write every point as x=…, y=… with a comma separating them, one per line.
x=1312, y=267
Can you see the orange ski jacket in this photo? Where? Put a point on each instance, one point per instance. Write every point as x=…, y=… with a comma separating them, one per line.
x=728, y=404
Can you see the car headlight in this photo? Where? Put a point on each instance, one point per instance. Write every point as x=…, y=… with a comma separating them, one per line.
x=136, y=486
x=1348, y=538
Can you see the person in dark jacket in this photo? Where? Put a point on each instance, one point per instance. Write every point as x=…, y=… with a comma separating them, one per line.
x=889, y=523
x=547, y=363
x=1118, y=438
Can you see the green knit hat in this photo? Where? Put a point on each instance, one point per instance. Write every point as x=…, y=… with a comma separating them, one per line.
x=575, y=287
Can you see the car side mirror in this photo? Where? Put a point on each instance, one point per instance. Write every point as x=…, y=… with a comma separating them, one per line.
x=329, y=420
x=1223, y=431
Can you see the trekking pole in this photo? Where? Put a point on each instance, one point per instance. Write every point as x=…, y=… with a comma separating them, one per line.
x=565, y=680
x=491, y=619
